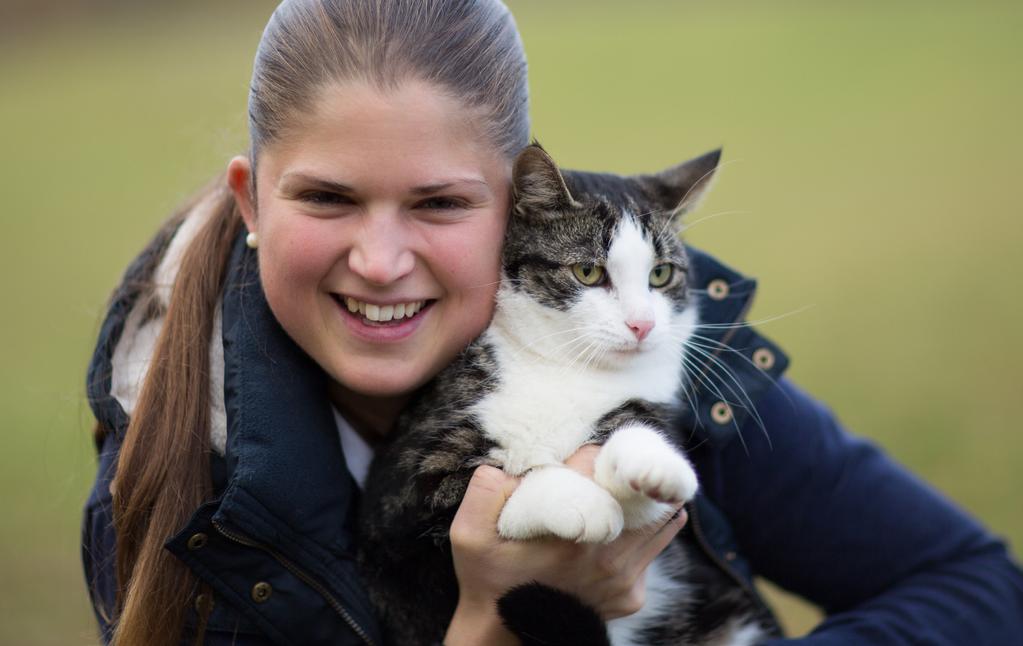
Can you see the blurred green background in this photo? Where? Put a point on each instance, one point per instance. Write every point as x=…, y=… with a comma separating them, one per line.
x=872, y=185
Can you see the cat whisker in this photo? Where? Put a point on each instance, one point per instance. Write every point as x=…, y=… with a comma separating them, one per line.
x=583, y=355
x=731, y=326
x=567, y=344
x=738, y=391
x=699, y=372
x=687, y=383
x=714, y=363
x=481, y=285
x=686, y=227
x=718, y=345
x=558, y=333
x=530, y=347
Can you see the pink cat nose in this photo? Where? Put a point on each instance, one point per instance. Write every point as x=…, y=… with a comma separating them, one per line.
x=640, y=328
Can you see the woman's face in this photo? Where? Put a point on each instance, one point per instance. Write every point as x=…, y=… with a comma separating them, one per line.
x=389, y=204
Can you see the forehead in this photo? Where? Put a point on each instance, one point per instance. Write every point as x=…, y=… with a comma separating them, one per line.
x=413, y=133
x=614, y=197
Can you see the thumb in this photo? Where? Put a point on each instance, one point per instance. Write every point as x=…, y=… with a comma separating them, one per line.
x=488, y=490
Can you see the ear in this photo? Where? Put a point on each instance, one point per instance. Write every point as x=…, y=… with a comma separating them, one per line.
x=680, y=188
x=240, y=180
x=537, y=184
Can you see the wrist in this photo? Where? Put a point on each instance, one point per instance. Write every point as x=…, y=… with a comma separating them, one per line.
x=478, y=623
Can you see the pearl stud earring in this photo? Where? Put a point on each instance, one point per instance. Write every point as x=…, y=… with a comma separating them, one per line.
x=252, y=240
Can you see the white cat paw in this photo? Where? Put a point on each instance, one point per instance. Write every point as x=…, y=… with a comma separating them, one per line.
x=637, y=460
x=558, y=501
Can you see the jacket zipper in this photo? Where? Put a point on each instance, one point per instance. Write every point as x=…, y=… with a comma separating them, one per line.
x=301, y=574
x=701, y=539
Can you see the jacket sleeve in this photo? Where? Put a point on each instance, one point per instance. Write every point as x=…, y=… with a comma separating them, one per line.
x=831, y=518
x=225, y=627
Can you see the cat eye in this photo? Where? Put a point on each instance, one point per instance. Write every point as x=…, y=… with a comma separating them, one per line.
x=589, y=275
x=662, y=274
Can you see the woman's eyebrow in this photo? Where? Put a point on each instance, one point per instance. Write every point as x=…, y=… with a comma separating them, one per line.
x=338, y=187
x=445, y=185
x=315, y=182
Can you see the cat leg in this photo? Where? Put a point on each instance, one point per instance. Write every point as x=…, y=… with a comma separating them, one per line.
x=557, y=500
x=645, y=473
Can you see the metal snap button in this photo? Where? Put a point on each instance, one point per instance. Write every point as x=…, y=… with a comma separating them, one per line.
x=763, y=358
x=197, y=542
x=203, y=602
x=721, y=413
x=261, y=592
x=718, y=289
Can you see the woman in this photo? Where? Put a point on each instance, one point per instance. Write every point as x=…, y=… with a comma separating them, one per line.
x=382, y=137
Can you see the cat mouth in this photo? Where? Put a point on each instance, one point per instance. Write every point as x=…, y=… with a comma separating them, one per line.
x=630, y=349
x=373, y=314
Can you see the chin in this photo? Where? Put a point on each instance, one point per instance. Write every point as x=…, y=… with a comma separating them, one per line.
x=382, y=381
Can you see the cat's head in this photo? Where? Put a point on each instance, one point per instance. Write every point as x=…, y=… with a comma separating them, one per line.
x=594, y=269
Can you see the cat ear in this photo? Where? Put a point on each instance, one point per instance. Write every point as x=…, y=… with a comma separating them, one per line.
x=537, y=184
x=680, y=188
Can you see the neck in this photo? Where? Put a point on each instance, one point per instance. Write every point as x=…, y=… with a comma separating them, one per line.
x=372, y=416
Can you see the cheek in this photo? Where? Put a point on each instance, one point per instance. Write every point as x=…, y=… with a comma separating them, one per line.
x=468, y=258
x=294, y=260
x=597, y=309
x=467, y=262
x=663, y=310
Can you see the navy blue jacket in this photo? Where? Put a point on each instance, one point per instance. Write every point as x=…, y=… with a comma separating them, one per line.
x=787, y=494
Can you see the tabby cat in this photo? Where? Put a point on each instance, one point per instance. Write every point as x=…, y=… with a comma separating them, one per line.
x=586, y=346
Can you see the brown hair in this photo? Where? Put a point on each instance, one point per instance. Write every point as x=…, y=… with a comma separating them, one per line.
x=468, y=48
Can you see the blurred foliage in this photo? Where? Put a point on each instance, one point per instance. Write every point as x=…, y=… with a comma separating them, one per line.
x=872, y=161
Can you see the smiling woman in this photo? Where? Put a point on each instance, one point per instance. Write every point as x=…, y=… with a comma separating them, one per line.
x=260, y=349
x=377, y=182
x=335, y=232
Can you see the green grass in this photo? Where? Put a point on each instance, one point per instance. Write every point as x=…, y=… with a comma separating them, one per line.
x=871, y=185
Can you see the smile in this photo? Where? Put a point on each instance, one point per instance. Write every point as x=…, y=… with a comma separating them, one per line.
x=376, y=313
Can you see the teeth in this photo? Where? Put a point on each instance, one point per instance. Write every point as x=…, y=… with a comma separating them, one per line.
x=384, y=313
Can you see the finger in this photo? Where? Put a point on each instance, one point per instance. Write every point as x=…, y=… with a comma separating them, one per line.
x=488, y=490
x=582, y=460
x=648, y=550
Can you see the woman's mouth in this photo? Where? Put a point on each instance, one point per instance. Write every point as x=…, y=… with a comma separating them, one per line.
x=372, y=315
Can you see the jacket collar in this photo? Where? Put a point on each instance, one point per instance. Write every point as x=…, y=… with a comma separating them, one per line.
x=733, y=365
x=282, y=445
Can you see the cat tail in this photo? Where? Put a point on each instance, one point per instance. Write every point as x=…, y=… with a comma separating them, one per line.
x=543, y=616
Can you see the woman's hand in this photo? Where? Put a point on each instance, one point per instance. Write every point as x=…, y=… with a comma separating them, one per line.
x=608, y=577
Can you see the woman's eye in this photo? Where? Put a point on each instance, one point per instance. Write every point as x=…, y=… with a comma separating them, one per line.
x=441, y=204
x=324, y=198
x=662, y=274
x=589, y=275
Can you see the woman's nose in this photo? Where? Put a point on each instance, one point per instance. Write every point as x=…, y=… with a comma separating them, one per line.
x=380, y=253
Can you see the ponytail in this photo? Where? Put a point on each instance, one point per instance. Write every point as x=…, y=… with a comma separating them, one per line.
x=163, y=469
